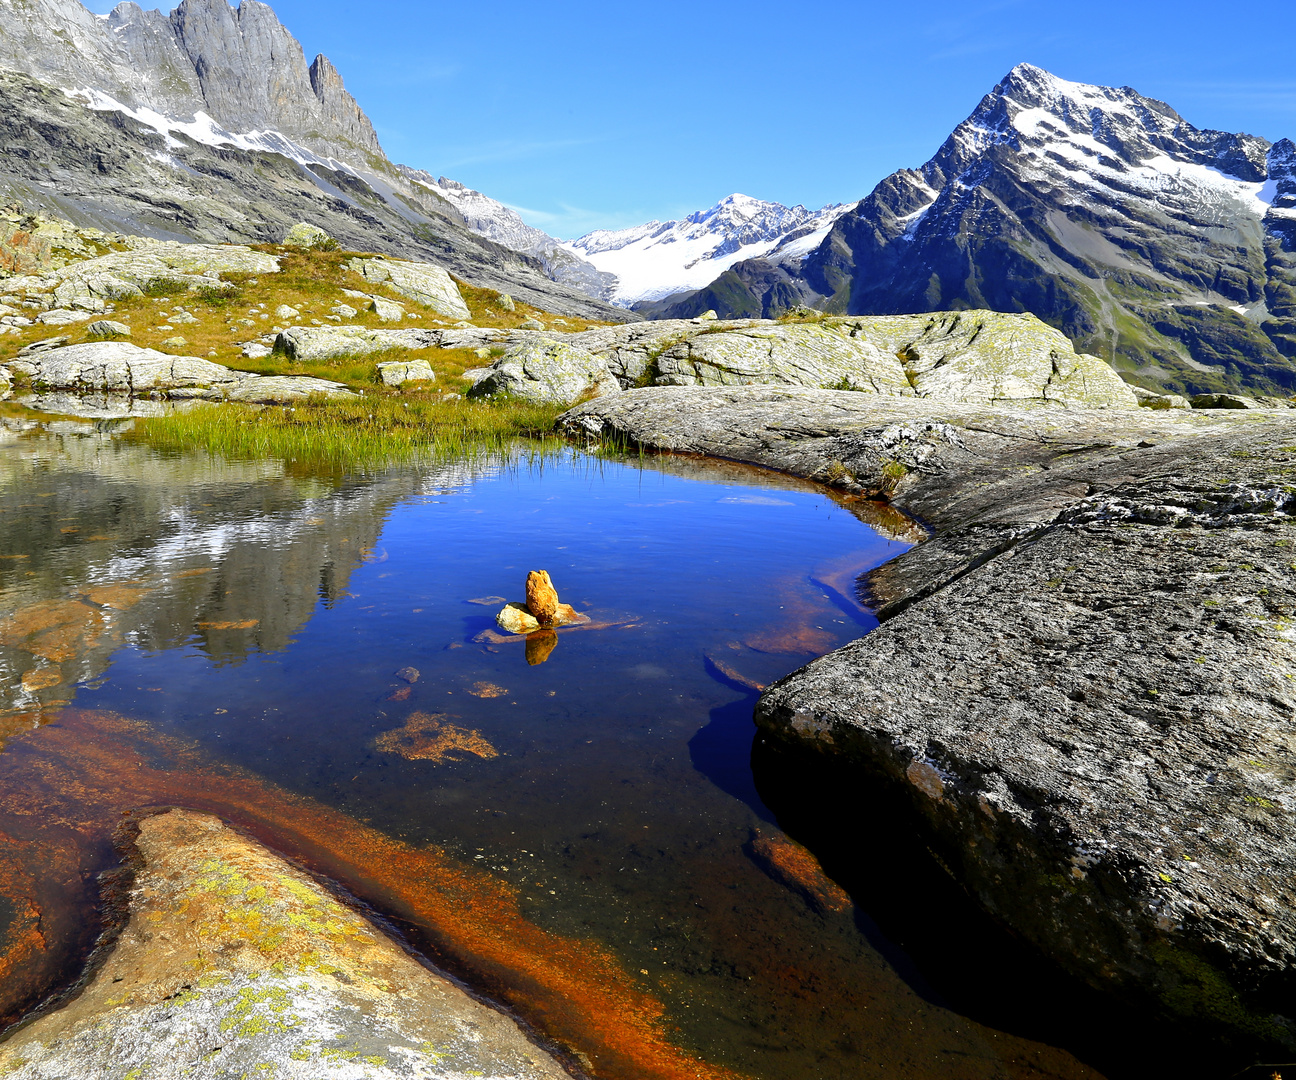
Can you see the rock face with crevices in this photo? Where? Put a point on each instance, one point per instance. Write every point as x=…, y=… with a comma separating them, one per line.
x=1080, y=696
x=234, y=963
x=968, y=356
x=420, y=282
x=546, y=371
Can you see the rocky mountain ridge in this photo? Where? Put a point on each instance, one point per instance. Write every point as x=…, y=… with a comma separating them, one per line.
x=206, y=63
x=208, y=125
x=1166, y=249
x=492, y=219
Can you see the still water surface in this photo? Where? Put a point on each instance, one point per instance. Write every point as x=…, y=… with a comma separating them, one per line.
x=333, y=639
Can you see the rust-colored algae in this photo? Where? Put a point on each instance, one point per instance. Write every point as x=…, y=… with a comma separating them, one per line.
x=64, y=786
x=428, y=737
x=791, y=865
x=56, y=630
x=486, y=690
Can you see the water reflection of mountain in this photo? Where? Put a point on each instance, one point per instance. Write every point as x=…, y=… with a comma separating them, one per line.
x=105, y=542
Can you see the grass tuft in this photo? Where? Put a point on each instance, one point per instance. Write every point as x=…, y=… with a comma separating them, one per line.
x=351, y=436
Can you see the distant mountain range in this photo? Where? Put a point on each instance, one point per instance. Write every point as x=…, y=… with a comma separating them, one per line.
x=655, y=261
x=1168, y=250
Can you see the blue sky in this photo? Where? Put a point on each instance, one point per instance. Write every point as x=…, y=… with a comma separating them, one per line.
x=586, y=115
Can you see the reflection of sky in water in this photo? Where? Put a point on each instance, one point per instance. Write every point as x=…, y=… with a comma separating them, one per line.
x=610, y=783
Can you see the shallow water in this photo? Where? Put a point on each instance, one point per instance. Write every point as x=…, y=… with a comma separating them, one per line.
x=317, y=658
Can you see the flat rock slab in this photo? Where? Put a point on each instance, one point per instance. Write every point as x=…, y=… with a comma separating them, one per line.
x=1081, y=693
x=234, y=963
x=314, y=343
x=119, y=368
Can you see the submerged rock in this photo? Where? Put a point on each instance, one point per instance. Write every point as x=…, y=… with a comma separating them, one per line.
x=234, y=962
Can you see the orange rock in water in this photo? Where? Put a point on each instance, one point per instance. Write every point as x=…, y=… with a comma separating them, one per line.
x=541, y=596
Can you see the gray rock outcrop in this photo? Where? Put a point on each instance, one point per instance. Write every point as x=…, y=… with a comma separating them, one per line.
x=546, y=371
x=969, y=356
x=421, y=282
x=1079, y=697
x=117, y=367
x=399, y=372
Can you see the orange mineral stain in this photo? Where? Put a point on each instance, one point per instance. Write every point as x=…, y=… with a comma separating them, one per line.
x=788, y=863
x=64, y=786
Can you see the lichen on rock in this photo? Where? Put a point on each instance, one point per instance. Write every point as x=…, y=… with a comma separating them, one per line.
x=234, y=963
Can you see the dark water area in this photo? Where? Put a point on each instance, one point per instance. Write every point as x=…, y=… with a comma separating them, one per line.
x=317, y=658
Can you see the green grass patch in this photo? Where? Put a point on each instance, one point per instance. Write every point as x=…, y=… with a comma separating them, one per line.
x=368, y=433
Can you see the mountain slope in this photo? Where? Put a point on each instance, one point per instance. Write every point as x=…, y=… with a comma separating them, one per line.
x=492, y=219
x=1149, y=242
x=659, y=259
x=1168, y=250
x=209, y=125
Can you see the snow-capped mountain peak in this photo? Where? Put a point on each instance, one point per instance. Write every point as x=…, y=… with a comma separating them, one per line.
x=658, y=258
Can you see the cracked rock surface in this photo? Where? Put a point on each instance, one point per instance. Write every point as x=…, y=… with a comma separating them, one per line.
x=1082, y=695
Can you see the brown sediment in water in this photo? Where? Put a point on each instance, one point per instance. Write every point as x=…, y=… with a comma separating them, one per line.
x=56, y=630
x=486, y=690
x=431, y=737
x=64, y=786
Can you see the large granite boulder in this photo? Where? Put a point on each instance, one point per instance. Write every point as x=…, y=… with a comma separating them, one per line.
x=792, y=355
x=990, y=356
x=1080, y=696
x=546, y=371
x=177, y=267
x=421, y=282
x=314, y=343
x=234, y=963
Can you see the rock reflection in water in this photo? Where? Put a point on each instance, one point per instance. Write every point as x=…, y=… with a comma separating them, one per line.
x=227, y=557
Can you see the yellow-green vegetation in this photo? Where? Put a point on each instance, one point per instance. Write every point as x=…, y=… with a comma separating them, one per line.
x=362, y=433
x=311, y=281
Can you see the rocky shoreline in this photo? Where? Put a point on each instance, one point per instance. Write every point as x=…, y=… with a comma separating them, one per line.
x=1080, y=696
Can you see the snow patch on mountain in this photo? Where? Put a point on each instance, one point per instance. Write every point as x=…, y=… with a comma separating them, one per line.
x=658, y=259
x=203, y=129
x=494, y=220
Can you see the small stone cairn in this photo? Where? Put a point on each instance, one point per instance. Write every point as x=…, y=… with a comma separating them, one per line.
x=542, y=610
